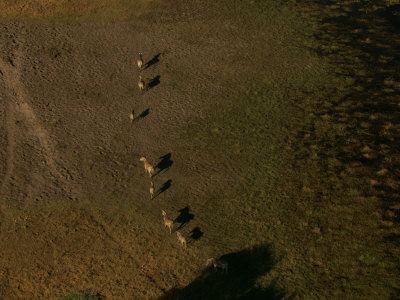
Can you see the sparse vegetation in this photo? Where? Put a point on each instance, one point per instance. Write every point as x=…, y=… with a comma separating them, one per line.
x=82, y=295
x=282, y=120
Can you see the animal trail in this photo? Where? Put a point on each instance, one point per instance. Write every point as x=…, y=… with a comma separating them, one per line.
x=18, y=103
x=10, y=127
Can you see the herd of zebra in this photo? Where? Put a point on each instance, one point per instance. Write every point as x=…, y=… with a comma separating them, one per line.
x=216, y=263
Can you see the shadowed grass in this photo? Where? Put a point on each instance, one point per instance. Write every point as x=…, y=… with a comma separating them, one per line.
x=238, y=283
x=336, y=166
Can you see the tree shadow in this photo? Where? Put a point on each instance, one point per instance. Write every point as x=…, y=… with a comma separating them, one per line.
x=196, y=234
x=244, y=269
x=142, y=115
x=153, y=82
x=166, y=185
x=366, y=49
x=164, y=164
x=184, y=217
x=153, y=61
x=394, y=238
x=392, y=14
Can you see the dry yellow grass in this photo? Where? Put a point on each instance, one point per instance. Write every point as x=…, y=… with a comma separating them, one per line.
x=302, y=211
x=115, y=9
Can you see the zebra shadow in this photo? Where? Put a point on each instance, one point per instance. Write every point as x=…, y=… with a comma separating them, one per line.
x=142, y=115
x=153, y=82
x=164, y=164
x=166, y=185
x=184, y=217
x=152, y=61
x=195, y=234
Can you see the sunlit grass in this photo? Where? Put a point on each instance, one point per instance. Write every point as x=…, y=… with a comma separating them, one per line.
x=67, y=10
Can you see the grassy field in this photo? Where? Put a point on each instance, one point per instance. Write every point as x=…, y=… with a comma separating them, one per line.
x=273, y=127
x=74, y=10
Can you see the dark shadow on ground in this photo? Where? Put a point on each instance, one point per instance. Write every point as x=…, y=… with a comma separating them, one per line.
x=392, y=14
x=184, y=217
x=142, y=115
x=164, y=164
x=244, y=269
x=154, y=82
x=196, y=234
x=166, y=185
x=152, y=61
x=360, y=133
